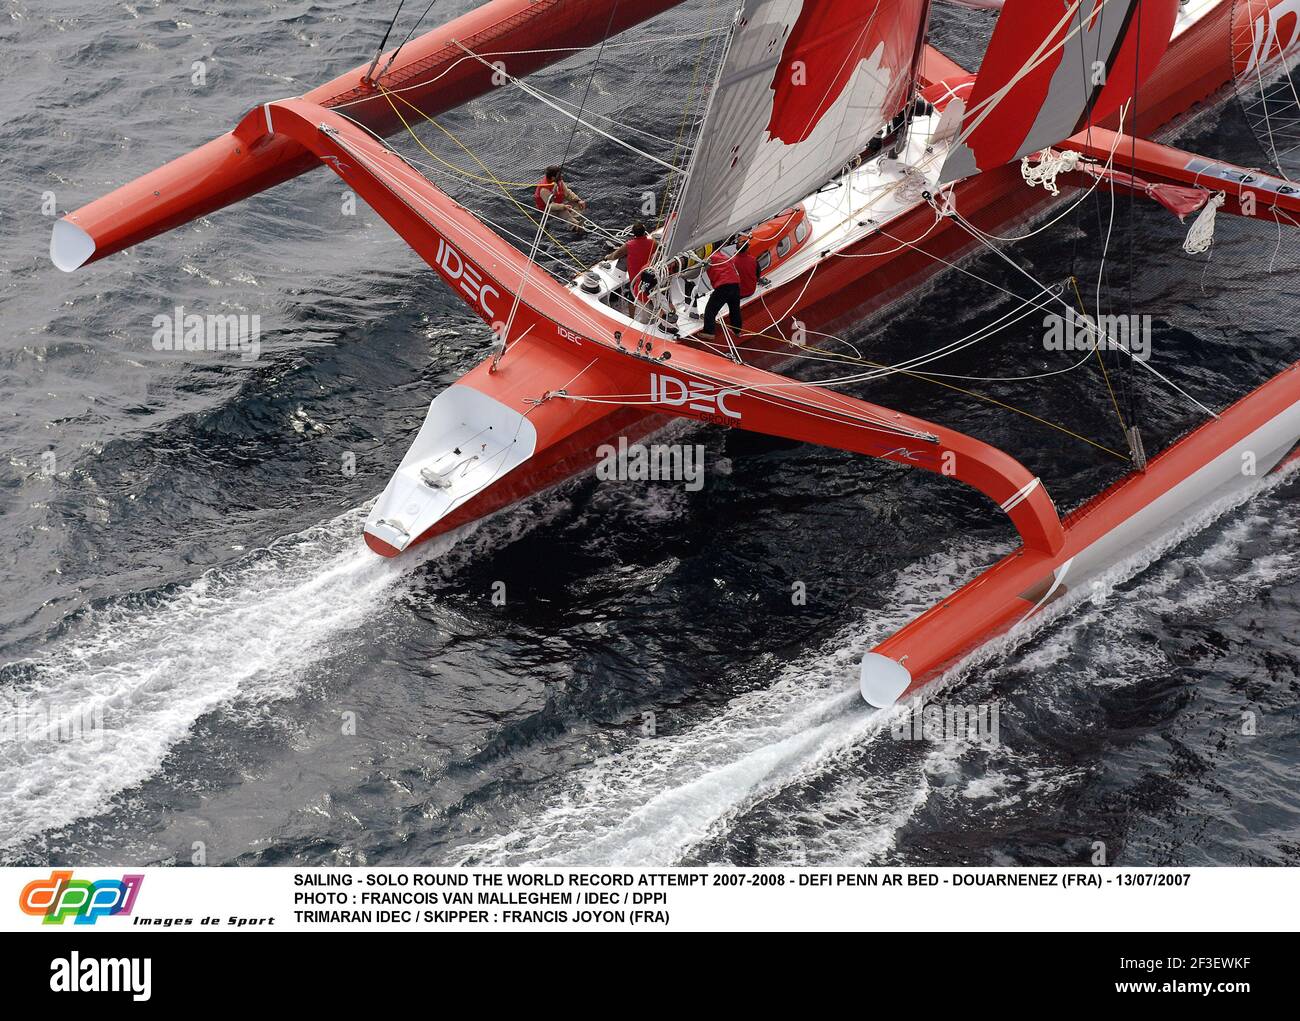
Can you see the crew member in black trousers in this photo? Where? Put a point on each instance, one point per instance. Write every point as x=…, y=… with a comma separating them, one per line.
x=726, y=291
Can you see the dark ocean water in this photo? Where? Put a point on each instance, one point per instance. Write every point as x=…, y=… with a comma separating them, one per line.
x=192, y=569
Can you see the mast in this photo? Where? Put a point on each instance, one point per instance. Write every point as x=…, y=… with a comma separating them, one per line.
x=803, y=87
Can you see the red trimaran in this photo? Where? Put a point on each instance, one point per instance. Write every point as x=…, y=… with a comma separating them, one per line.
x=803, y=89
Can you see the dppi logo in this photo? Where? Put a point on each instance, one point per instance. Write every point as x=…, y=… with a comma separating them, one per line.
x=460, y=270
x=706, y=397
x=61, y=897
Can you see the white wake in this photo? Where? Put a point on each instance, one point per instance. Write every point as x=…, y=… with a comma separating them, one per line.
x=654, y=801
x=139, y=672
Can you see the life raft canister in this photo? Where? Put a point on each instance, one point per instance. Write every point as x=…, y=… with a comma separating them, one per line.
x=539, y=196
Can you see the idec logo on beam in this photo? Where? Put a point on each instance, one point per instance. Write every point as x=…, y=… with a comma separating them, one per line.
x=61, y=897
x=708, y=398
x=459, y=270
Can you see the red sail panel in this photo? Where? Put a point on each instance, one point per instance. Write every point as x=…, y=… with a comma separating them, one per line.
x=1178, y=199
x=1051, y=70
x=804, y=86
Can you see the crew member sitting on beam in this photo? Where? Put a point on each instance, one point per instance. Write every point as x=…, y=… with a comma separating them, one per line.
x=564, y=201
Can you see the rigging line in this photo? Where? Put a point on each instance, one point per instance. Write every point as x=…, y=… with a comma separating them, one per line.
x=1074, y=247
x=672, y=200
x=551, y=99
x=561, y=391
x=970, y=339
x=1014, y=238
x=930, y=377
x=1131, y=391
x=544, y=96
x=635, y=400
x=1100, y=361
x=1263, y=95
x=1019, y=411
x=1028, y=306
x=501, y=184
x=382, y=43
x=425, y=83
x=975, y=233
x=937, y=379
x=576, y=118
x=420, y=199
x=408, y=36
x=977, y=336
x=1012, y=379
x=586, y=92
x=1125, y=384
x=1105, y=251
x=1290, y=81
x=519, y=291
x=415, y=163
x=1043, y=289
x=758, y=392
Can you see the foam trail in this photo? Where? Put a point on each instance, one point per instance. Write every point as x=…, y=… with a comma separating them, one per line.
x=140, y=671
x=655, y=800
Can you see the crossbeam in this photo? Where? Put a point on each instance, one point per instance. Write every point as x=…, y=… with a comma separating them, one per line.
x=496, y=280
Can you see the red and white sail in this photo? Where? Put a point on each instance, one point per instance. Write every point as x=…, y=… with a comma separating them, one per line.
x=804, y=86
x=1051, y=70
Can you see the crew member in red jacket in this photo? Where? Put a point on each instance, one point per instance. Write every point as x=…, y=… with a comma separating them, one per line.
x=639, y=249
x=725, y=279
x=651, y=304
x=747, y=270
x=565, y=202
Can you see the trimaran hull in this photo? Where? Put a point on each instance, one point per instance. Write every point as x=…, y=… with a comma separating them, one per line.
x=506, y=432
x=1202, y=468
x=841, y=289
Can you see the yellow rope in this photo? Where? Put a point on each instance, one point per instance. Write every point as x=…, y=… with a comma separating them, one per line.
x=822, y=352
x=681, y=123
x=503, y=185
x=1019, y=411
x=1100, y=361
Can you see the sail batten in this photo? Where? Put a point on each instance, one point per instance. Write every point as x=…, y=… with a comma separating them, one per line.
x=804, y=86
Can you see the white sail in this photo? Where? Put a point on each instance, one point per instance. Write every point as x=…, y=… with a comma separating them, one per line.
x=804, y=86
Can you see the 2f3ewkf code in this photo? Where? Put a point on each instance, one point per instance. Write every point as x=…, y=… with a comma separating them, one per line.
x=1184, y=963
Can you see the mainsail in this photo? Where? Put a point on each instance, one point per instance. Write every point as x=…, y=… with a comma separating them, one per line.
x=805, y=85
